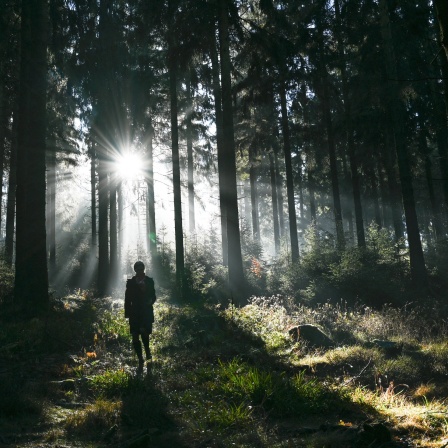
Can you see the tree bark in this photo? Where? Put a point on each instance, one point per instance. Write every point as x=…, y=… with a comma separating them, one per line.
x=236, y=273
x=12, y=186
x=31, y=279
x=114, y=262
x=51, y=206
x=151, y=209
x=94, y=239
x=178, y=228
x=289, y=177
x=190, y=165
x=274, y=203
x=103, y=140
x=220, y=146
x=3, y=123
x=254, y=195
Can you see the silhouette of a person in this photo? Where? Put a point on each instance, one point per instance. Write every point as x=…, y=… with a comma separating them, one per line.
x=138, y=307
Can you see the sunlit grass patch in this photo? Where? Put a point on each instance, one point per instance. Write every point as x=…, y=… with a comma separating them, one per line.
x=95, y=418
x=426, y=421
x=114, y=383
x=113, y=326
x=275, y=392
x=224, y=415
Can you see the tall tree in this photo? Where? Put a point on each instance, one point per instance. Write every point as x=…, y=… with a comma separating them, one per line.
x=236, y=273
x=190, y=165
x=178, y=227
x=31, y=279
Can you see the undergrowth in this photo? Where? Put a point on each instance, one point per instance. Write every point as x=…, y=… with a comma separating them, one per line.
x=224, y=376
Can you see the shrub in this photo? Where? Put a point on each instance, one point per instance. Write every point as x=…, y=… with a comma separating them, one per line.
x=6, y=282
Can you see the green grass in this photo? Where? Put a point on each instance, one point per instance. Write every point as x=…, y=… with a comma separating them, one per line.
x=220, y=377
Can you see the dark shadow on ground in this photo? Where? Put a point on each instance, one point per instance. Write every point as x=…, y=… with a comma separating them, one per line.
x=203, y=336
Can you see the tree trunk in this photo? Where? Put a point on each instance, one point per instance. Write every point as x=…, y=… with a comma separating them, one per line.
x=151, y=209
x=289, y=178
x=236, y=273
x=103, y=139
x=31, y=279
x=220, y=146
x=114, y=262
x=279, y=181
x=274, y=204
x=3, y=123
x=51, y=206
x=417, y=262
x=178, y=231
x=92, y=152
x=12, y=186
x=190, y=165
x=254, y=195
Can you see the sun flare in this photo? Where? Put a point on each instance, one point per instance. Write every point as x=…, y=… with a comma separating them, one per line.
x=129, y=166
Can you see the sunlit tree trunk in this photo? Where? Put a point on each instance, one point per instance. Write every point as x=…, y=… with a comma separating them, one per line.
x=103, y=228
x=113, y=228
x=294, y=240
x=417, y=262
x=93, y=194
x=3, y=123
x=246, y=196
x=31, y=276
x=11, y=200
x=151, y=210
x=311, y=190
x=236, y=273
x=51, y=205
x=178, y=228
x=120, y=211
x=279, y=181
x=219, y=143
x=103, y=133
x=274, y=203
x=254, y=195
x=190, y=165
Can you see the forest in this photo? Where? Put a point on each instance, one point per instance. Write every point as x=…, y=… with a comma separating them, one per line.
x=277, y=165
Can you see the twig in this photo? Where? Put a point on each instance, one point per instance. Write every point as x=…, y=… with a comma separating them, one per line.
x=359, y=374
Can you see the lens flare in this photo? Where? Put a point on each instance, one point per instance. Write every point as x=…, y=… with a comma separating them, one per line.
x=129, y=166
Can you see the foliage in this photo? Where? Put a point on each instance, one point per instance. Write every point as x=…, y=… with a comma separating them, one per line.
x=94, y=419
x=113, y=383
x=6, y=283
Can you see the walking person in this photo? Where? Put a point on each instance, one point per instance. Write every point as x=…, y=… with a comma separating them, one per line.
x=138, y=307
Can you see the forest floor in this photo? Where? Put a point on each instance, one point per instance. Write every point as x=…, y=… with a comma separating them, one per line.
x=71, y=380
